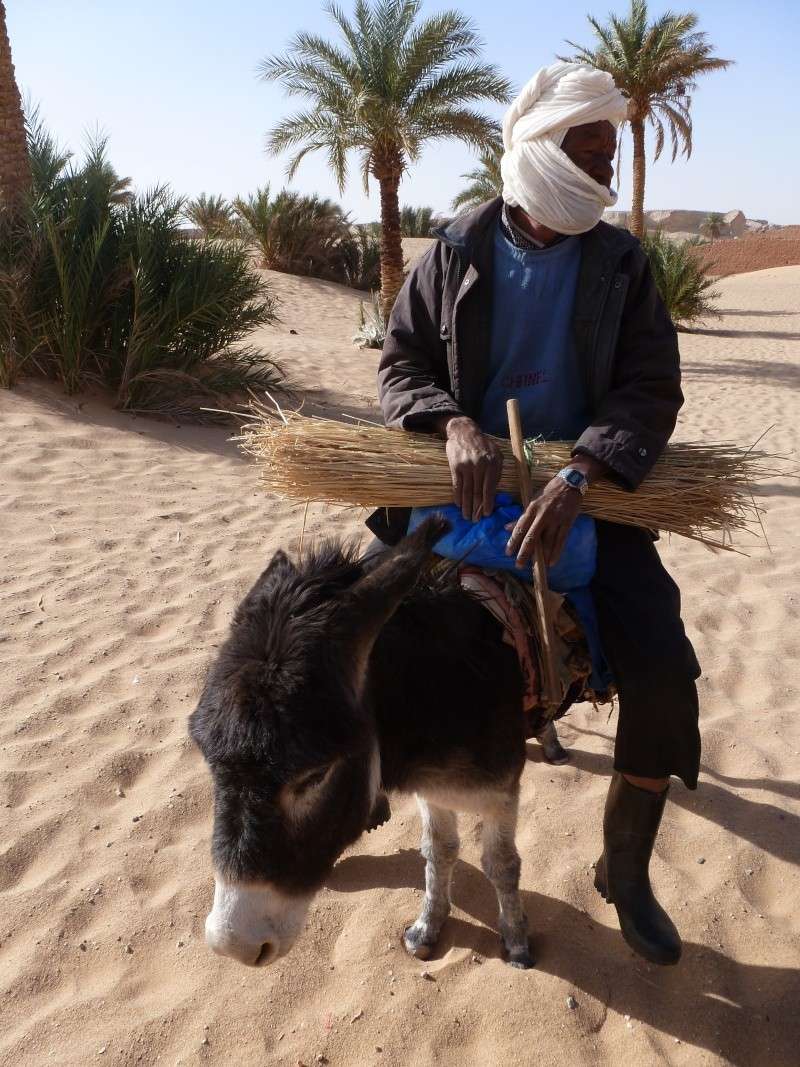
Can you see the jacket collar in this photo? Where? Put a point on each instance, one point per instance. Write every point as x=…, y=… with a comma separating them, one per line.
x=467, y=232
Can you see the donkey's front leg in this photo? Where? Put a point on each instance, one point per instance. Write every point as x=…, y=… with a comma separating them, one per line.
x=440, y=849
x=501, y=865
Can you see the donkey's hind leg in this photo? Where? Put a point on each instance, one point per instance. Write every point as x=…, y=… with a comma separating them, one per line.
x=501, y=865
x=440, y=849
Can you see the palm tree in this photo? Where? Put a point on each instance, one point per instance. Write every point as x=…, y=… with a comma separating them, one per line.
x=394, y=83
x=15, y=171
x=712, y=224
x=212, y=215
x=656, y=65
x=485, y=181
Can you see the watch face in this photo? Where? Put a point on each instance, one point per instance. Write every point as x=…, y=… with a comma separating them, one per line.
x=575, y=479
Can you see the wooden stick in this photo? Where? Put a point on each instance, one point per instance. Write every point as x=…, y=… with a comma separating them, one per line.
x=550, y=685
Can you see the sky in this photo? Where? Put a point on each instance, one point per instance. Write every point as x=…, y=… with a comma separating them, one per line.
x=173, y=84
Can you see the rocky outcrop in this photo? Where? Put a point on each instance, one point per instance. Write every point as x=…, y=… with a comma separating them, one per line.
x=736, y=224
x=691, y=223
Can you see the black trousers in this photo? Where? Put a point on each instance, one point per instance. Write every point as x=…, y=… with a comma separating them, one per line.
x=653, y=662
x=639, y=615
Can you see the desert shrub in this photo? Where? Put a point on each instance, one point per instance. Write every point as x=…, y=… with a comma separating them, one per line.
x=416, y=221
x=682, y=279
x=371, y=332
x=98, y=286
x=359, y=262
x=294, y=233
x=179, y=332
x=213, y=216
x=22, y=333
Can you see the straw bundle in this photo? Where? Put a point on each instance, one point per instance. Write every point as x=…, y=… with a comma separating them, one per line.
x=695, y=490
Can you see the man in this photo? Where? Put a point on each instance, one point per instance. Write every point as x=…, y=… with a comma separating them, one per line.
x=532, y=296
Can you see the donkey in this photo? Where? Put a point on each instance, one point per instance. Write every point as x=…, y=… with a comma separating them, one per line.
x=342, y=678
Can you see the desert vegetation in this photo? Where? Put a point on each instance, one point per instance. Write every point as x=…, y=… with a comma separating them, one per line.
x=682, y=279
x=308, y=235
x=484, y=182
x=213, y=216
x=416, y=221
x=98, y=287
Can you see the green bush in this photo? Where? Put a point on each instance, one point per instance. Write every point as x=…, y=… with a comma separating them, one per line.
x=309, y=236
x=99, y=286
x=213, y=216
x=371, y=332
x=360, y=260
x=681, y=278
x=21, y=313
x=294, y=233
x=416, y=221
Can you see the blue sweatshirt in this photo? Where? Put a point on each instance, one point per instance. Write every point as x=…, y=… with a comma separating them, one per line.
x=532, y=355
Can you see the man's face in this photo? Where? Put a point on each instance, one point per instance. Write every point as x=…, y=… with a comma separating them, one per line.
x=592, y=147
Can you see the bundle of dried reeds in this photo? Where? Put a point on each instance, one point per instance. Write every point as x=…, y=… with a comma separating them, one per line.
x=696, y=490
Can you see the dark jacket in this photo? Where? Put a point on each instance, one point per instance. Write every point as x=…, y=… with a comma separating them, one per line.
x=436, y=352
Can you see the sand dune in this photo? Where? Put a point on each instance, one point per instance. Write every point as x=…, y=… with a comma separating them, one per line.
x=125, y=544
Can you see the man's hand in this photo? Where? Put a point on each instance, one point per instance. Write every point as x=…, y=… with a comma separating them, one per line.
x=548, y=519
x=476, y=464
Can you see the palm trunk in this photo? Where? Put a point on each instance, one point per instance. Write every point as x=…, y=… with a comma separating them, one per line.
x=15, y=168
x=637, y=200
x=392, y=274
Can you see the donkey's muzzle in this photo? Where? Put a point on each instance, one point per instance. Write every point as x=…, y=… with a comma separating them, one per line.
x=254, y=923
x=246, y=952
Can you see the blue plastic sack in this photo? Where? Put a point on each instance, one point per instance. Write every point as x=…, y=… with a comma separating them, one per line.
x=483, y=543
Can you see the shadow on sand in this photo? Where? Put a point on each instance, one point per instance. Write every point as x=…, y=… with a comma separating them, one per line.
x=771, y=371
x=771, y=335
x=746, y=1014
x=757, y=313
x=764, y=825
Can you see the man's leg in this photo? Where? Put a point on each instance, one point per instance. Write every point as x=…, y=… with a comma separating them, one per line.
x=654, y=665
x=638, y=608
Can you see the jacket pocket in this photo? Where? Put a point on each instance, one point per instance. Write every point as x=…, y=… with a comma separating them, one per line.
x=608, y=331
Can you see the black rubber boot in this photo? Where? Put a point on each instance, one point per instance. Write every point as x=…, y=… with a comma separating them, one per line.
x=630, y=826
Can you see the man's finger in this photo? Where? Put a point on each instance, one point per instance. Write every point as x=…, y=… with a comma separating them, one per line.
x=528, y=546
x=455, y=478
x=466, y=492
x=520, y=529
x=490, y=483
x=478, y=482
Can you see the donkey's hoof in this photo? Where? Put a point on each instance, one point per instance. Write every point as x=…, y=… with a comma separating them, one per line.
x=415, y=944
x=522, y=959
x=381, y=812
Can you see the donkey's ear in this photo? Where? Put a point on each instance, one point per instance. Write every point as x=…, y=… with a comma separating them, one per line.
x=279, y=567
x=372, y=601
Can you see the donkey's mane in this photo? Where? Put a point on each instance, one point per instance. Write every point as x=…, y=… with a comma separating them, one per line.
x=290, y=606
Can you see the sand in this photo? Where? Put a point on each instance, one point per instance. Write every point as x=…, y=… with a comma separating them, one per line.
x=125, y=545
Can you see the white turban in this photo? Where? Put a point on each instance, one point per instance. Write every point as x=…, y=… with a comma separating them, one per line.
x=537, y=175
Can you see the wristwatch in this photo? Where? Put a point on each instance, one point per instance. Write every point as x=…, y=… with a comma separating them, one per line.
x=574, y=478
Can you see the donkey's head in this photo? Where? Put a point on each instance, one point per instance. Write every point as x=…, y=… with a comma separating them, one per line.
x=290, y=739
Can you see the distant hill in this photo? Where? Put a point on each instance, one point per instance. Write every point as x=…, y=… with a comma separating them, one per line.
x=678, y=222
